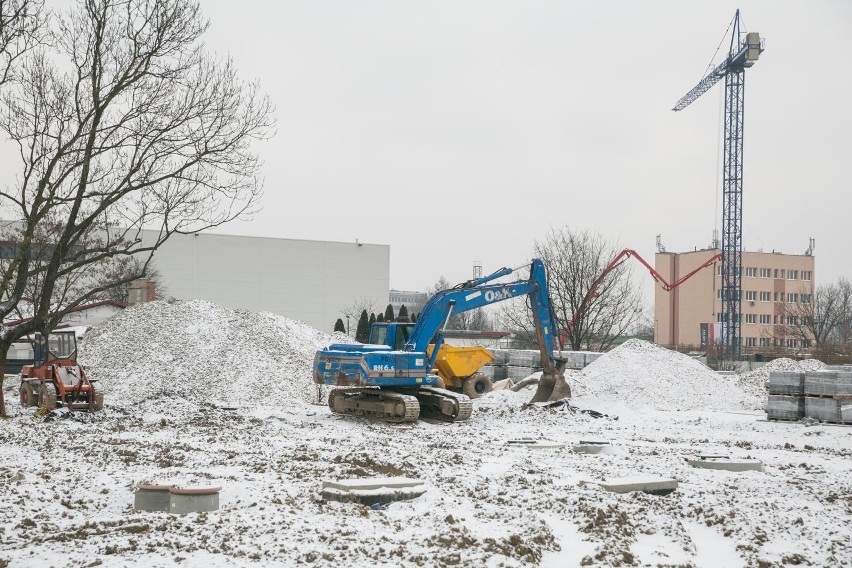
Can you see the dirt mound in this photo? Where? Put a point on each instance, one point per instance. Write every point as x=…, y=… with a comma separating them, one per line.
x=199, y=351
x=644, y=375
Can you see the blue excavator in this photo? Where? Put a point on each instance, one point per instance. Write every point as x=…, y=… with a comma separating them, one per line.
x=394, y=384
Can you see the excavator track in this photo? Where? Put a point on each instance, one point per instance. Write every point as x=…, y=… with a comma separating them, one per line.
x=374, y=403
x=442, y=404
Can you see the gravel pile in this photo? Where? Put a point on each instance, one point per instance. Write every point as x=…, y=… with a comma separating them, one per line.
x=754, y=382
x=201, y=352
x=644, y=375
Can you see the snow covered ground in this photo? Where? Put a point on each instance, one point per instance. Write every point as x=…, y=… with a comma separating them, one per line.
x=66, y=486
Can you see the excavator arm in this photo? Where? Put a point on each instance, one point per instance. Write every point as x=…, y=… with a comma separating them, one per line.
x=481, y=292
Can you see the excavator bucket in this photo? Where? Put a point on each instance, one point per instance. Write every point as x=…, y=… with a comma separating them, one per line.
x=551, y=387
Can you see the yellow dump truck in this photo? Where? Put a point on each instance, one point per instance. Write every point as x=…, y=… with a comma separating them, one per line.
x=459, y=368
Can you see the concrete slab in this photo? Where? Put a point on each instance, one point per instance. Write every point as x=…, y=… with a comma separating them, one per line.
x=193, y=500
x=590, y=447
x=363, y=483
x=172, y=499
x=372, y=491
x=533, y=444
x=712, y=462
x=644, y=483
x=152, y=497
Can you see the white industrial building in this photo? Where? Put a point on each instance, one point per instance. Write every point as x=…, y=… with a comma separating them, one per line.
x=310, y=281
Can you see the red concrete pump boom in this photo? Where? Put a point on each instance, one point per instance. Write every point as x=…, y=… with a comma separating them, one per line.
x=616, y=262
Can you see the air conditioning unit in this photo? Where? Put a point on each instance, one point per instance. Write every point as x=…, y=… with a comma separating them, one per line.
x=751, y=302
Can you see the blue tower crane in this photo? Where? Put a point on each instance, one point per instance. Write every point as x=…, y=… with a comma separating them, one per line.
x=744, y=50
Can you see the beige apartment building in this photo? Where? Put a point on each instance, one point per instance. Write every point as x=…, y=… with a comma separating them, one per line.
x=776, y=288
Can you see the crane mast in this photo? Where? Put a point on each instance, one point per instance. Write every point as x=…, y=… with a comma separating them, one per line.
x=744, y=50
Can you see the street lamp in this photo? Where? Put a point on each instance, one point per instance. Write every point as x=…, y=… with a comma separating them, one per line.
x=347, y=325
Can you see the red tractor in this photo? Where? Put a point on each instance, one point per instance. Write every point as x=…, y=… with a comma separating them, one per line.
x=50, y=375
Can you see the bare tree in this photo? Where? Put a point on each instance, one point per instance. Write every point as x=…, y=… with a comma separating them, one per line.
x=123, y=122
x=587, y=318
x=352, y=313
x=821, y=316
x=21, y=30
x=842, y=334
x=478, y=320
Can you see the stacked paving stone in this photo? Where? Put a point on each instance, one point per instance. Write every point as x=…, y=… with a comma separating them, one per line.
x=824, y=395
x=517, y=364
x=786, y=395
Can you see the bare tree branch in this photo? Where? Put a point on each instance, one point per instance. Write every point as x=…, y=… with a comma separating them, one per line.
x=574, y=260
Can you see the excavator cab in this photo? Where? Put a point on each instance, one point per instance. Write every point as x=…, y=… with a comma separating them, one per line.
x=393, y=334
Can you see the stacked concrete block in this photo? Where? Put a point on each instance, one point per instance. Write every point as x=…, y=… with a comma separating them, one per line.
x=525, y=358
x=820, y=383
x=791, y=383
x=495, y=372
x=501, y=356
x=824, y=395
x=782, y=407
x=578, y=359
x=843, y=384
x=846, y=411
x=822, y=409
x=517, y=373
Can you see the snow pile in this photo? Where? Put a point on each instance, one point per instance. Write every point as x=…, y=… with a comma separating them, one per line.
x=644, y=376
x=754, y=382
x=202, y=352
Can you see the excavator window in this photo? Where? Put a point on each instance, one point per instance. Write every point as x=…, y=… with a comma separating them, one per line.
x=379, y=334
x=403, y=332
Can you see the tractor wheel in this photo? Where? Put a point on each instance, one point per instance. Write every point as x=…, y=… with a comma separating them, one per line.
x=47, y=396
x=477, y=385
x=28, y=396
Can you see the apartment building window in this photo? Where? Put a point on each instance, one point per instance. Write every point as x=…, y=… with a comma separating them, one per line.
x=751, y=296
x=778, y=297
x=751, y=341
x=765, y=319
x=719, y=294
x=764, y=273
x=751, y=318
x=764, y=342
x=792, y=320
x=806, y=343
x=751, y=272
x=776, y=318
x=792, y=298
x=806, y=298
x=775, y=273
x=765, y=296
x=806, y=274
x=792, y=275
x=791, y=343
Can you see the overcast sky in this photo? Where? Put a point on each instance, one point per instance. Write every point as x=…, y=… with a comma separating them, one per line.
x=462, y=131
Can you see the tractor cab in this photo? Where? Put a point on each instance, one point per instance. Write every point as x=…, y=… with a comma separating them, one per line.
x=57, y=345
